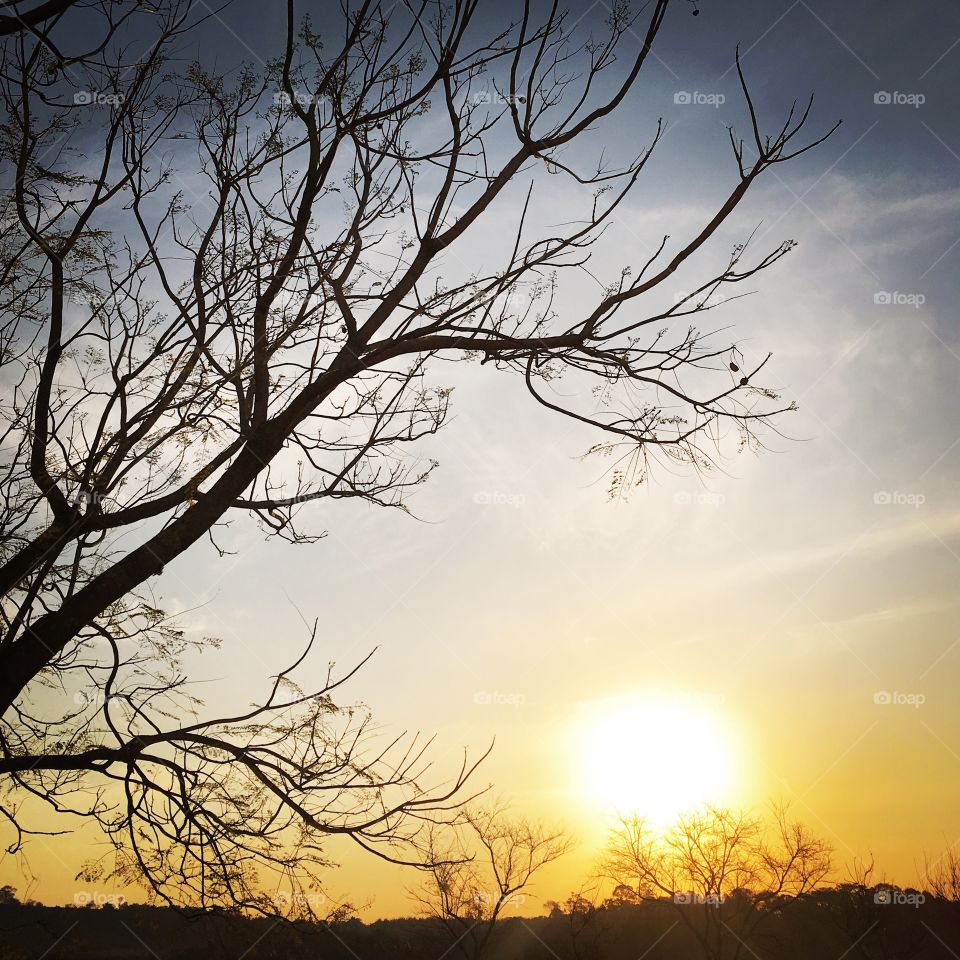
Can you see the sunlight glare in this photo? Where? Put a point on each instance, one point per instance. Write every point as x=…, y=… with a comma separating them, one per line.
x=657, y=758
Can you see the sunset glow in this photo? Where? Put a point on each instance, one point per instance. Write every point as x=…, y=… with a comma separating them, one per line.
x=657, y=758
x=479, y=479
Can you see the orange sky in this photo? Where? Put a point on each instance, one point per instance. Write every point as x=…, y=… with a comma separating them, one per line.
x=797, y=609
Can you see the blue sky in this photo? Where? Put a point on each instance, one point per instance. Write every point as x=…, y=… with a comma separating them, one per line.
x=789, y=587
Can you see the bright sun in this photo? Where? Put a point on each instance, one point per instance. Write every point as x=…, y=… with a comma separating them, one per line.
x=657, y=758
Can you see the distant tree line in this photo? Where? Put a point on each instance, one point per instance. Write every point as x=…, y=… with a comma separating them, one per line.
x=718, y=886
x=842, y=921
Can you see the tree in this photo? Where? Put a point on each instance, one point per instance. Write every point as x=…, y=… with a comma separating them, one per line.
x=482, y=871
x=942, y=875
x=725, y=873
x=266, y=343
x=584, y=923
x=865, y=908
x=30, y=17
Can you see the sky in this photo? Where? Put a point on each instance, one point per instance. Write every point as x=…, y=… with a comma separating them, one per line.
x=796, y=611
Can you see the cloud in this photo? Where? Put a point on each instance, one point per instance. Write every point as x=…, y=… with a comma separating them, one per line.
x=896, y=538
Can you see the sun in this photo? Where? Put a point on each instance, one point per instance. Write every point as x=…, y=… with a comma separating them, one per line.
x=656, y=757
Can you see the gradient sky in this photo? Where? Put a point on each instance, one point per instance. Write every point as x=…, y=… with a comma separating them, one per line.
x=777, y=597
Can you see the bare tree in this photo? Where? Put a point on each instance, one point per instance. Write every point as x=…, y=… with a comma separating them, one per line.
x=724, y=872
x=585, y=924
x=868, y=912
x=30, y=17
x=481, y=872
x=942, y=875
x=224, y=296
